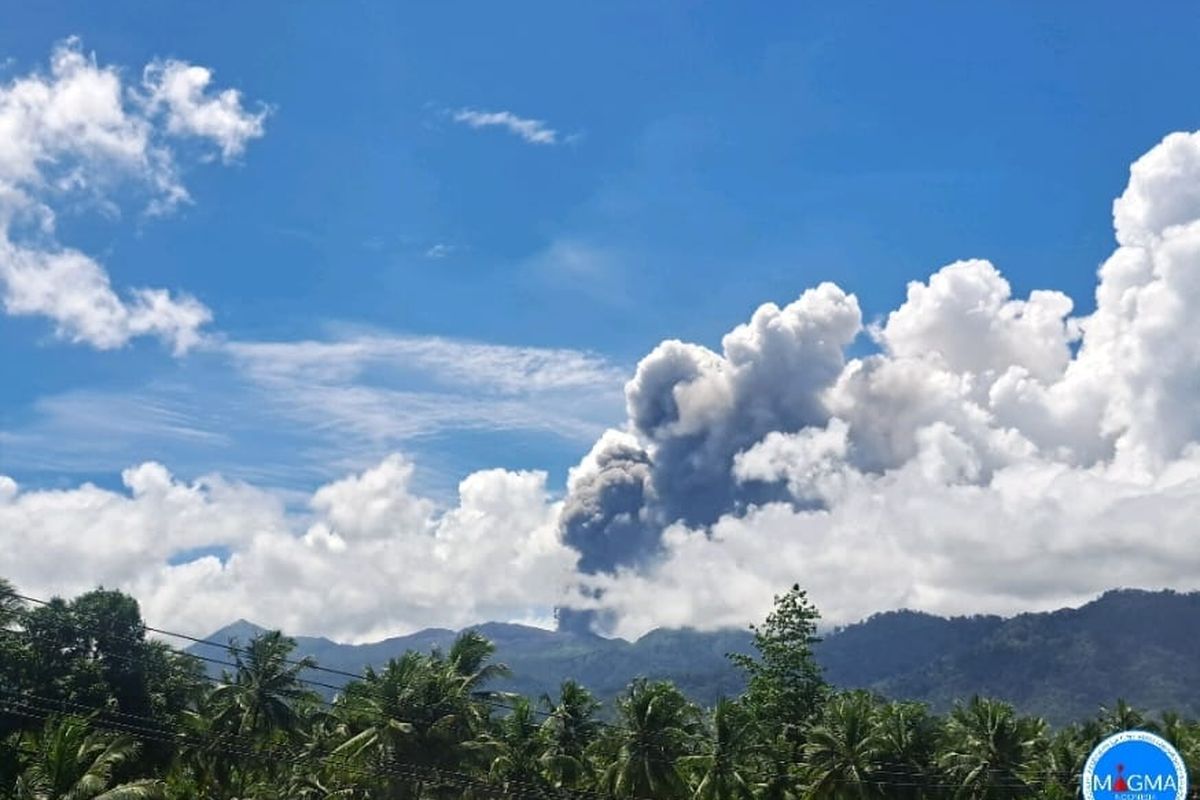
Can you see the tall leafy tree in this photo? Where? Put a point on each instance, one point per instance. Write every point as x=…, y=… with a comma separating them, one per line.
x=908, y=737
x=13, y=653
x=1121, y=717
x=785, y=686
x=426, y=710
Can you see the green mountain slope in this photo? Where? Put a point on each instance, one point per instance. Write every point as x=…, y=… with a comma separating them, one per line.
x=1063, y=665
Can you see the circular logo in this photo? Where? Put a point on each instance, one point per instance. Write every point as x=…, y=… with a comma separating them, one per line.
x=1134, y=765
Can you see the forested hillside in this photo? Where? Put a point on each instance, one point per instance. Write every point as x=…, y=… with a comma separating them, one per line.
x=1062, y=665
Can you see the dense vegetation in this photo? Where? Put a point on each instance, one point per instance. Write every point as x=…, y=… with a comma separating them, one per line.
x=90, y=709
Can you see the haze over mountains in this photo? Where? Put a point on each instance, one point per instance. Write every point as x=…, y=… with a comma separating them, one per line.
x=1063, y=665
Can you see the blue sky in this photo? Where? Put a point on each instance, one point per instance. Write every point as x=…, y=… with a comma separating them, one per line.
x=705, y=160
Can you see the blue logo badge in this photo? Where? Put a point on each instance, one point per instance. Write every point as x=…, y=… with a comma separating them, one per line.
x=1134, y=765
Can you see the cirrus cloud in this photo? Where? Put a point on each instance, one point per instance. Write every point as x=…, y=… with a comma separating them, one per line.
x=532, y=131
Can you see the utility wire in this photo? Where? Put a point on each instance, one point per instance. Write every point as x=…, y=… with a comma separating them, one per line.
x=153, y=730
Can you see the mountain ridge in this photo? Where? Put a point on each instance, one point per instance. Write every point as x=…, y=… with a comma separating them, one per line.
x=1062, y=664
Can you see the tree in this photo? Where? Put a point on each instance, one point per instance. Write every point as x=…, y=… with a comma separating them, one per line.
x=844, y=748
x=1063, y=759
x=66, y=760
x=13, y=653
x=723, y=769
x=569, y=730
x=470, y=661
x=1121, y=717
x=93, y=651
x=989, y=749
x=260, y=698
x=908, y=745
x=517, y=750
x=11, y=606
x=657, y=728
x=785, y=686
x=426, y=710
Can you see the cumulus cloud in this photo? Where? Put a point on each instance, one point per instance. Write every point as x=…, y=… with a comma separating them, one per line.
x=365, y=558
x=78, y=135
x=696, y=409
x=180, y=90
x=928, y=535
x=532, y=131
x=995, y=454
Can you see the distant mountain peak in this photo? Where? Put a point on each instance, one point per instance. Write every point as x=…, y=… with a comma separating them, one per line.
x=241, y=629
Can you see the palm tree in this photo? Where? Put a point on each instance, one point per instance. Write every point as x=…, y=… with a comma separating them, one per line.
x=843, y=749
x=389, y=713
x=65, y=760
x=722, y=770
x=569, y=729
x=204, y=767
x=658, y=727
x=1121, y=717
x=261, y=697
x=989, y=749
x=517, y=748
x=11, y=606
x=1064, y=759
x=469, y=659
x=420, y=709
x=908, y=743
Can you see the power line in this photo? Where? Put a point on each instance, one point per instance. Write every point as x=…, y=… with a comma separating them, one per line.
x=154, y=730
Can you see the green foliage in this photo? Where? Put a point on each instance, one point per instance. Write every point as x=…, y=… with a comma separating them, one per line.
x=990, y=750
x=658, y=728
x=67, y=760
x=724, y=768
x=844, y=749
x=785, y=686
x=568, y=730
x=116, y=717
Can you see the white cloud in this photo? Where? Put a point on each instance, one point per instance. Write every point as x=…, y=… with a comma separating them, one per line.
x=533, y=131
x=975, y=464
x=363, y=385
x=73, y=290
x=180, y=89
x=1037, y=535
x=994, y=455
x=79, y=134
x=368, y=558
x=504, y=369
x=441, y=250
